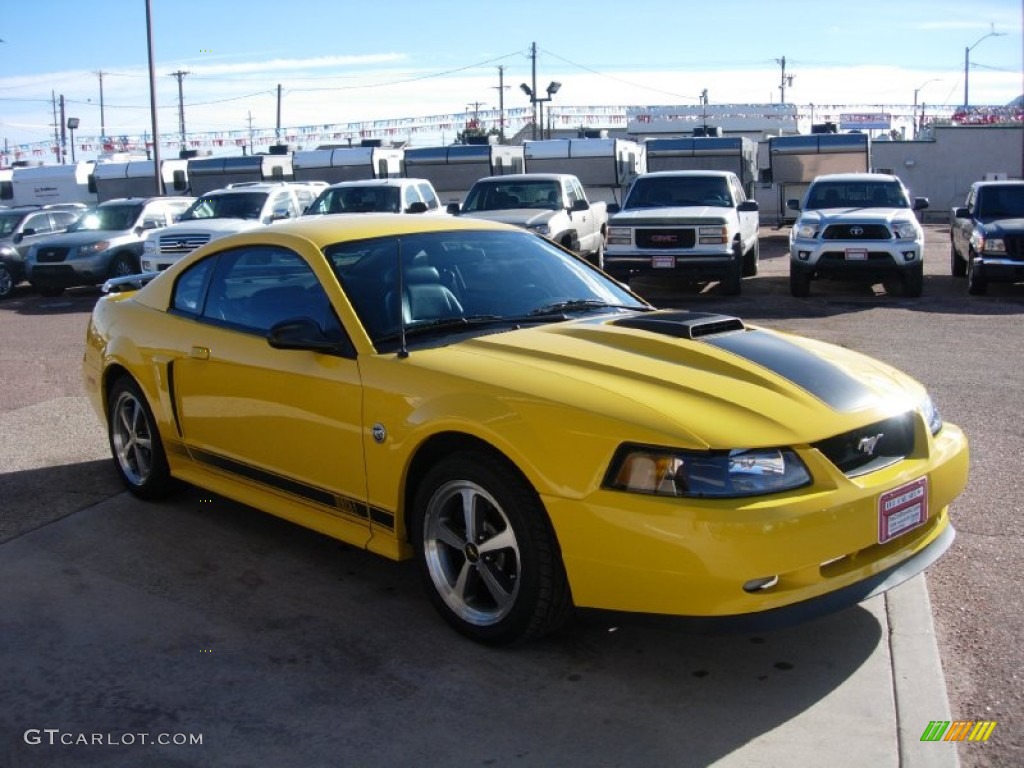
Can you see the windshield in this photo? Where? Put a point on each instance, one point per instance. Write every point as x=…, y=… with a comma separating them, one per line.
x=108, y=217
x=8, y=222
x=468, y=276
x=856, y=194
x=234, y=205
x=379, y=199
x=504, y=195
x=1001, y=202
x=668, y=191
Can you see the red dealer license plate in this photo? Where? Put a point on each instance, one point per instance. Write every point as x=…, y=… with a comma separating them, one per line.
x=856, y=254
x=663, y=262
x=901, y=509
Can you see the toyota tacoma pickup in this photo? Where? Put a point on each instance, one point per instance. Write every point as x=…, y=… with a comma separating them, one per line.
x=698, y=225
x=551, y=204
x=857, y=226
x=987, y=235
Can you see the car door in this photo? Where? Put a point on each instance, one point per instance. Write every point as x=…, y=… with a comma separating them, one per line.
x=749, y=220
x=961, y=228
x=37, y=226
x=583, y=220
x=288, y=421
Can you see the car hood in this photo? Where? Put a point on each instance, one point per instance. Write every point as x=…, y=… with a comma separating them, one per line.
x=213, y=227
x=1001, y=226
x=771, y=388
x=671, y=215
x=520, y=217
x=864, y=215
x=84, y=237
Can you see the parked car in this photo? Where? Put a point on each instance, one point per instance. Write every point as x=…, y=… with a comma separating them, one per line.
x=697, y=225
x=377, y=196
x=477, y=397
x=22, y=226
x=857, y=226
x=106, y=241
x=986, y=235
x=235, y=208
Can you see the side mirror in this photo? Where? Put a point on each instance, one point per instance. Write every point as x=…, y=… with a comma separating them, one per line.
x=300, y=333
x=961, y=213
x=19, y=236
x=614, y=208
x=580, y=205
x=417, y=207
x=748, y=206
x=920, y=203
x=453, y=208
x=793, y=205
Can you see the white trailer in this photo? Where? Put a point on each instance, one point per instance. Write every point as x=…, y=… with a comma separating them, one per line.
x=6, y=188
x=454, y=169
x=605, y=167
x=795, y=161
x=208, y=173
x=736, y=154
x=48, y=184
x=135, y=178
x=348, y=164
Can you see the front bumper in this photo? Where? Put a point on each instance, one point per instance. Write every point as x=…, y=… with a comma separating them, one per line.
x=855, y=260
x=694, y=264
x=689, y=557
x=71, y=272
x=999, y=269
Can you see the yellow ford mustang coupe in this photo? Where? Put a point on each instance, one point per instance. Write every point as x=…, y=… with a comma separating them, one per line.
x=536, y=436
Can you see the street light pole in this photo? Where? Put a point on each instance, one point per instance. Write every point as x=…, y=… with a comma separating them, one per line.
x=916, y=91
x=967, y=62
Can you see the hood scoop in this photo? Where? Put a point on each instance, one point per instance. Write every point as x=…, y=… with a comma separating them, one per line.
x=683, y=325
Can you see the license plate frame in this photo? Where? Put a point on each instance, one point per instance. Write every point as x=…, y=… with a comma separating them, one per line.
x=902, y=509
x=663, y=262
x=856, y=254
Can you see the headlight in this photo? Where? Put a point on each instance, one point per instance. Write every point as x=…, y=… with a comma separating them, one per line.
x=706, y=474
x=993, y=245
x=806, y=231
x=98, y=247
x=541, y=229
x=712, y=235
x=905, y=230
x=620, y=236
x=149, y=245
x=931, y=415
x=6, y=250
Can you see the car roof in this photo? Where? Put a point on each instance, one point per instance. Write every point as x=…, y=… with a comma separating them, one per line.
x=392, y=182
x=998, y=183
x=325, y=230
x=664, y=174
x=145, y=200
x=847, y=177
x=523, y=177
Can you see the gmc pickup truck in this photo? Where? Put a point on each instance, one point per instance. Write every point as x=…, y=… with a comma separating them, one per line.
x=987, y=235
x=695, y=224
x=552, y=204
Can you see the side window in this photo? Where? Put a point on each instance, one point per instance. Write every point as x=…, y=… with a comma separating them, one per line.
x=62, y=220
x=255, y=288
x=191, y=287
x=40, y=222
x=409, y=197
x=574, y=194
x=154, y=218
x=737, y=190
x=427, y=193
x=971, y=197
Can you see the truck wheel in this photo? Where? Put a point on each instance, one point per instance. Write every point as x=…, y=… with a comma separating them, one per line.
x=123, y=265
x=913, y=281
x=957, y=263
x=732, y=282
x=597, y=257
x=977, y=285
x=799, y=283
x=6, y=282
x=751, y=258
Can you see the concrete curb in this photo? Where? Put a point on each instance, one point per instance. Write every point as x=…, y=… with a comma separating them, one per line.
x=919, y=686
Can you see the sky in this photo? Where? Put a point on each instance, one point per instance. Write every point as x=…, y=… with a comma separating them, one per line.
x=340, y=62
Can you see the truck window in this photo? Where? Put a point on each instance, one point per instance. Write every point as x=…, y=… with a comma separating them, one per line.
x=427, y=193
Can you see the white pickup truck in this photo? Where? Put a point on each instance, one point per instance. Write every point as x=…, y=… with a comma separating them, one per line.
x=693, y=224
x=552, y=204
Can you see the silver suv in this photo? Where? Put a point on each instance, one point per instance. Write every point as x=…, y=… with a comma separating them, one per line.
x=105, y=242
x=235, y=208
x=22, y=226
x=857, y=226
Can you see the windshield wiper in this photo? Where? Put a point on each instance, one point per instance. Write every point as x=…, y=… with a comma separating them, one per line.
x=579, y=305
x=445, y=324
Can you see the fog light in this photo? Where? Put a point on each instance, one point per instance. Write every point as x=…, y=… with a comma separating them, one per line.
x=760, y=585
x=803, y=255
x=909, y=255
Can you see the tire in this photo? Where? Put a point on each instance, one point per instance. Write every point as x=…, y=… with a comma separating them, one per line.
x=912, y=281
x=6, y=282
x=799, y=282
x=597, y=258
x=135, y=442
x=751, y=259
x=504, y=584
x=957, y=263
x=49, y=291
x=123, y=265
x=732, y=283
x=977, y=285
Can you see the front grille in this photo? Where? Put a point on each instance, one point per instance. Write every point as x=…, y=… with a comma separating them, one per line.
x=182, y=243
x=856, y=232
x=840, y=256
x=1015, y=246
x=51, y=255
x=871, y=447
x=665, y=238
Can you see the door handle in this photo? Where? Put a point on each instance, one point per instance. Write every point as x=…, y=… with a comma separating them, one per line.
x=199, y=353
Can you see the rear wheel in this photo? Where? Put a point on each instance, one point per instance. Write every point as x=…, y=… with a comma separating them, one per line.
x=135, y=442
x=486, y=552
x=977, y=285
x=957, y=263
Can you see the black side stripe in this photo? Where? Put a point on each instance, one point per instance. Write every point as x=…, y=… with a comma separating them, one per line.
x=809, y=372
x=334, y=503
x=173, y=396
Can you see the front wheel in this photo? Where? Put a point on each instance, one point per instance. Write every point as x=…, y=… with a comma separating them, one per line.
x=6, y=282
x=913, y=281
x=977, y=285
x=135, y=442
x=488, y=557
x=957, y=263
x=122, y=266
x=751, y=259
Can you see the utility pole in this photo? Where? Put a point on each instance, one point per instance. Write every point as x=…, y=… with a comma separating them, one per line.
x=103, y=124
x=180, y=74
x=501, y=103
x=56, y=135
x=704, y=101
x=533, y=84
x=157, y=177
x=277, y=131
x=63, y=135
x=787, y=80
x=250, y=131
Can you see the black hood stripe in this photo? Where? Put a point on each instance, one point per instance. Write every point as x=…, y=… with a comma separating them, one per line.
x=805, y=369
